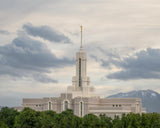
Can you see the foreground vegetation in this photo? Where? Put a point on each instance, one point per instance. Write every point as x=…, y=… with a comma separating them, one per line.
x=28, y=118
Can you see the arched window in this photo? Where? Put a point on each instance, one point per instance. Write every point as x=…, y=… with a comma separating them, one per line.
x=49, y=105
x=65, y=105
x=81, y=109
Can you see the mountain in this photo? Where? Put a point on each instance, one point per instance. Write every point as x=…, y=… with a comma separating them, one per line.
x=150, y=98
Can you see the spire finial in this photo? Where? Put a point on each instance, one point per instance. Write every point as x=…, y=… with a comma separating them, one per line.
x=81, y=36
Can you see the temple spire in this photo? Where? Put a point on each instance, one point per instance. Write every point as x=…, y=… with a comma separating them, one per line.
x=81, y=36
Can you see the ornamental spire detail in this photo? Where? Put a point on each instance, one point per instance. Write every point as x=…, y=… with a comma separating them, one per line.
x=81, y=36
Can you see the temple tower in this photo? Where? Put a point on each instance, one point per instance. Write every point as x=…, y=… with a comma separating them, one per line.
x=81, y=81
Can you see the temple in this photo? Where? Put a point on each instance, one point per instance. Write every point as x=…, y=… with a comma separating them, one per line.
x=81, y=97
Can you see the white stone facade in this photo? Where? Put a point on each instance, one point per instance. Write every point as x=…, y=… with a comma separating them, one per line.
x=81, y=98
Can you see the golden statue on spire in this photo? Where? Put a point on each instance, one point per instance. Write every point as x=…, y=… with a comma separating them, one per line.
x=81, y=28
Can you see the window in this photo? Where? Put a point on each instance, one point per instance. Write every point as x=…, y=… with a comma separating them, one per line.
x=65, y=105
x=81, y=109
x=80, y=72
x=49, y=105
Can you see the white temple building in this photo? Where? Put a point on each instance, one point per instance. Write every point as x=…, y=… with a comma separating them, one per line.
x=81, y=98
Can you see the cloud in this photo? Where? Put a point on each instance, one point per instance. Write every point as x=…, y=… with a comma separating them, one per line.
x=4, y=32
x=47, y=33
x=106, y=57
x=110, y=53
x=44, y=79
x=25, y=57
x=142, y=65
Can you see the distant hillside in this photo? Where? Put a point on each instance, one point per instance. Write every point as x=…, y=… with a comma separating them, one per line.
x=150, y=98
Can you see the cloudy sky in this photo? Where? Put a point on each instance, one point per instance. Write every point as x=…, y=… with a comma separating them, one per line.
x=39, y=39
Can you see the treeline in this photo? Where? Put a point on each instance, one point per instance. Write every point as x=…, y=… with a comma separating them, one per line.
x=28, y=118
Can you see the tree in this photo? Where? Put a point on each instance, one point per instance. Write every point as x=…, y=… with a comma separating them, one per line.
x=117, y=122
x=28, y=118
x=105, y=122
x=67, y=119
x=134, y=122
x=48, y=119
x=90, y=121
x=7, y=116
x=3, y=125
x=144, y=121
x=154, y=120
